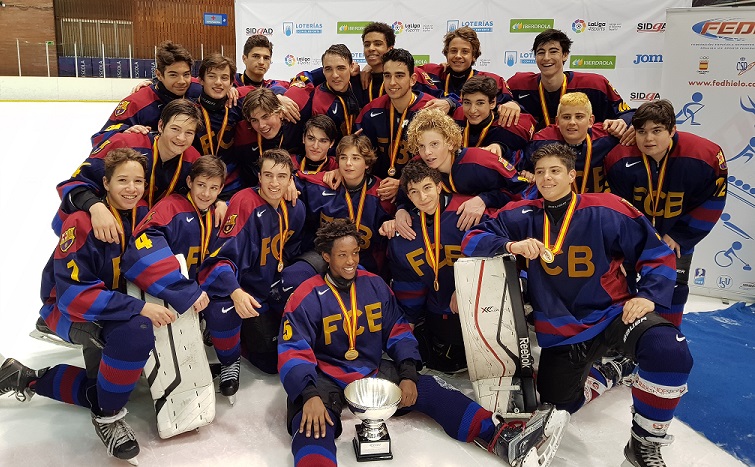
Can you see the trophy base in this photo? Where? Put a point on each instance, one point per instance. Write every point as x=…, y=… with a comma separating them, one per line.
x=367, y=450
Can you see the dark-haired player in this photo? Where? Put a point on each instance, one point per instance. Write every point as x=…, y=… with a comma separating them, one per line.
x=320, y=134
x=335, y=329
x=257, y=56
x=677, y=180
x=583, y=307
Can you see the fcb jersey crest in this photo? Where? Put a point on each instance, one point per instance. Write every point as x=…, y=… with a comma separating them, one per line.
x=721, y=160
x=230, y=224
x=121, y=109
x=67, y=239
x=506, y=164
x=299, y=84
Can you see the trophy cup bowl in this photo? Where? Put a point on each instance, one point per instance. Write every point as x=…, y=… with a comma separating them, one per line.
x=372, y=400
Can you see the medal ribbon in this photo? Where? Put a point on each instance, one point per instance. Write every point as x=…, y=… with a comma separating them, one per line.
x=448, y=81
x=346, y=116
x=587, y=170
x=543, y=105
x=360, y=209
x=380, y=91
x=155, y=156
x=282, y=220
x=564, y=227
x=483, y=133
x=318, y=169
x=655, y=195
x=433, y=256
x=396, y=141
x=350, y=322
x=259, y=143
x=205, y=229
x=209, y=129
x=122, y=233
x=450, y=180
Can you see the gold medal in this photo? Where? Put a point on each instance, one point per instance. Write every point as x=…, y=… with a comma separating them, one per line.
x=391, y=172
x=436, y=286
x=280, y=266
x=351, y=354
x=547, y=256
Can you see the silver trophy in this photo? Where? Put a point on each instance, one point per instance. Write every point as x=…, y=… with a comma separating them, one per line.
x=372, y=400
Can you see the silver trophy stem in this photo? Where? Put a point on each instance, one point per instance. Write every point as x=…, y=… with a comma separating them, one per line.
x=374, y=430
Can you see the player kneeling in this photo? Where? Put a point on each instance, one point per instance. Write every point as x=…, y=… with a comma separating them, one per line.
x=85, y=304
x=317, y=359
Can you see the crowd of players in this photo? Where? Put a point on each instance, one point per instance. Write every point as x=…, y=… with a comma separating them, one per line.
x=295, y=204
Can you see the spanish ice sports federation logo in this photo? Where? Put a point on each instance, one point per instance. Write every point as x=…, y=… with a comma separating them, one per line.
x=398, y=27
x=67, y=239
x=579, y=26
x=289, y=60
x=230, y=224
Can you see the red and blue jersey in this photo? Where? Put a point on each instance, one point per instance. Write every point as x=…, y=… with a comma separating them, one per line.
x=375, y=122
x=693, y=191
x=600, y=144
x=173, y=227
x=444, y=79
x=411, y=267
x=341, y=107
x=324, y=205
x=247, y=251
x=580, y=293
x=248, y=147
x=277, y=86
x=312, y=335
x=142, y=108
x=82, y=280
x=163, y=176
x=512, y=138
x=606, y=102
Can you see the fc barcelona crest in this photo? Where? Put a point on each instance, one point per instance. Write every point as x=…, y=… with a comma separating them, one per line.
x=121, y=109
x=506, y=164
x=721, y=160
x=67, y=239
x=230, y=224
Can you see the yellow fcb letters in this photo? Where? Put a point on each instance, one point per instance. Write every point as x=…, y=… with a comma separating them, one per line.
x=418, y=257
x=272, y=246
x=578, y=260
x=334, y=323
x=670, y=206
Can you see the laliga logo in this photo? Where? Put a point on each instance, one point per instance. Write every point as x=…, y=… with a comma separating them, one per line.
x=725, y=29
x=398, y=27
x=578, y=26
x=290, y=60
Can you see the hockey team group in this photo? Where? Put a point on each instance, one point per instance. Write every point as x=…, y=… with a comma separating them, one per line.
x=312, y=225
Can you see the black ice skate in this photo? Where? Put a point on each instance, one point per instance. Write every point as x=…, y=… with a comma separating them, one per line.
x=532, y=443
x=645, y=451
x=43, y=333
x=117, y=435
x=229, y=380
x=15, y=377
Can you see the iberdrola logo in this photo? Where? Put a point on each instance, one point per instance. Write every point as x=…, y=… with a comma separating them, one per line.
x=517, y=26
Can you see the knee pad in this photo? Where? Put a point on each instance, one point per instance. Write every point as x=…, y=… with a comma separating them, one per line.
x=664, y=349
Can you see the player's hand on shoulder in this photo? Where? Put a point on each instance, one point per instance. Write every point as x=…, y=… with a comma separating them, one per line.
x=220, y=209
x=404, y=224
x=289, y=109
x=314, y=418
x=388, y=229
x=291, y=194
x=470, y=212
x=143, y=84
x=233, y=97
x=332, y=178
x=615, y=127
x=408, y=393
x=388, y=189
x=104, y=225
x=441, y=104
x=508, y=113
x=628, y=138
x=142, y=129
x=158, y=314
x=495, y=148
x=635, y=308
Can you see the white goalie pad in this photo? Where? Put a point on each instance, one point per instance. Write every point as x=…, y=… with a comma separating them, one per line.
x=178, y=372
x=496, y=340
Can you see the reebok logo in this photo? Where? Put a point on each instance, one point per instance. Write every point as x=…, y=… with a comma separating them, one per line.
x=375, y=114
x=189, y=219
x=226, y=310
x=259, y=214
x=633, y=163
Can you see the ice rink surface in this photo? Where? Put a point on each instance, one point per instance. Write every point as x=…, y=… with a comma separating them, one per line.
x=43, y=143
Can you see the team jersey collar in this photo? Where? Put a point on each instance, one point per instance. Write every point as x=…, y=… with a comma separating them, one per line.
x=341, y=284
x=475, y=129
x=211, y=104
x=165, y=95
x=247, y=81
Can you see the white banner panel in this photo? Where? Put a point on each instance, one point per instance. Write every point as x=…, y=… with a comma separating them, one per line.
x=708, y=75
x=621, y=40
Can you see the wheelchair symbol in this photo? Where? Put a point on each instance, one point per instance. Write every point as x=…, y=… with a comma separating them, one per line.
x=725, y=258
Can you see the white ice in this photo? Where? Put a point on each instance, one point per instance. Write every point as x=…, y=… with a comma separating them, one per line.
x=43, y=143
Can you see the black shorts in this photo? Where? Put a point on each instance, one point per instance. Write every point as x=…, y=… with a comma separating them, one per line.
x=332, y=395
x=260, y=334
x=564, y=369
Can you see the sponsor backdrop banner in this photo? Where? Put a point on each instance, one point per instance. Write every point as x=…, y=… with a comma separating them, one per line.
x=620, y=40
x=708, y=75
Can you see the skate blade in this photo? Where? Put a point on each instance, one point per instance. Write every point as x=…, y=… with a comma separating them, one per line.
x=232, y=399
x=133, y=461
x=44, y=337
x=543, y=455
